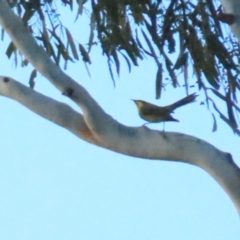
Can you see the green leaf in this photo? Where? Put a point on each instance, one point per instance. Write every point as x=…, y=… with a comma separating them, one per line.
x=80, y=6
x=151, y=48
x=84, y=53
x=72, y=44
x=11, y=48
x=2, y=34
x=111, y=72
x=181, y=61
x=159, y=82
x=128, y=62
x=214, y=129
x=92, y=29
x=169, y=64
x=31, y=80
x=116, y=60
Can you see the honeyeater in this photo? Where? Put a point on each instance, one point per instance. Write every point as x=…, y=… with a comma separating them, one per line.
x=155, y=114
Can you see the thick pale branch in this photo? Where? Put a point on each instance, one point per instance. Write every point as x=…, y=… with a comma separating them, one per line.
x=100, y=128
x=35, y=54
x=57, y=112
x=232, y=7
x=137, y=142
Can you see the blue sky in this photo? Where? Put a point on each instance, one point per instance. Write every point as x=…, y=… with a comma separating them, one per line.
x=55, y=186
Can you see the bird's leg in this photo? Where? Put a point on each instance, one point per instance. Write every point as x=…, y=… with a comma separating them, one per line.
x=163, y=127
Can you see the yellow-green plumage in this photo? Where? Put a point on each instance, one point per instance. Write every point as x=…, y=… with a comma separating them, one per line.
x=154, y=114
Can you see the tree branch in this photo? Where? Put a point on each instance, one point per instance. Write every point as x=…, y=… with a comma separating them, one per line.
x=232, y=7
x=97, y=127
x=35, y=54
x=138, y=142
x=57, y=112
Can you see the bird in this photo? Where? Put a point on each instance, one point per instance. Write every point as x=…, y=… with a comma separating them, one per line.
x=156, y=114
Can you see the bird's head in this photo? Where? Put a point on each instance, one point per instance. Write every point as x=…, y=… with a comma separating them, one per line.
x=139, y=103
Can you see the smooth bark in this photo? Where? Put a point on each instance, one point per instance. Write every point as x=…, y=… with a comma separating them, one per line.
x=99, y=128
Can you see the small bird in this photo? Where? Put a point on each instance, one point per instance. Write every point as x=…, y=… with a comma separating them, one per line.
x=155, y=114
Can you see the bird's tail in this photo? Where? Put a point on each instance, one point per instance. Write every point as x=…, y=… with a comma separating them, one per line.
x=189, y=99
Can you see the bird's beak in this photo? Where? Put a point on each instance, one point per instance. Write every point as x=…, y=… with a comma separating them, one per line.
x=134, y=101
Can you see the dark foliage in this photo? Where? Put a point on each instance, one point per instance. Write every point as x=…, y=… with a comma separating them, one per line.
x=180, y=36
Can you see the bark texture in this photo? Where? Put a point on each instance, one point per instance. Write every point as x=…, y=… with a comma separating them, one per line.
x=99, y=128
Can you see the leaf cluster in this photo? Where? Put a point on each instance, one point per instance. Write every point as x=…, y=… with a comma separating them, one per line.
x=181, y=36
